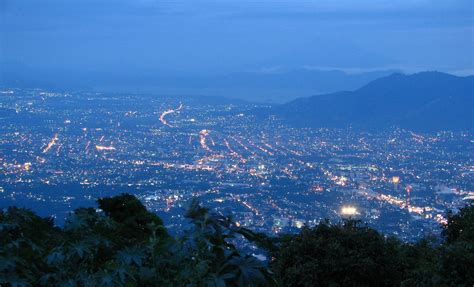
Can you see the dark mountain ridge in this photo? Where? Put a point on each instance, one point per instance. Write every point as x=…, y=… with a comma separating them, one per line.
x=425, y=101
x=277, y=86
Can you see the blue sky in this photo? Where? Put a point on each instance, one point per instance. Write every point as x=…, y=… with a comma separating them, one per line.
x=213, y=37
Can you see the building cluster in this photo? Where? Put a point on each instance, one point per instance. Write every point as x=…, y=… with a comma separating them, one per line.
x=59, y=151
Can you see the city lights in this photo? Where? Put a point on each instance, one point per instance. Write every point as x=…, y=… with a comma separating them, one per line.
x=272, y=176
x=349, y=210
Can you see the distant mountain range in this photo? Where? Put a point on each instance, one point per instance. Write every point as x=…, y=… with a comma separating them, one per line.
x=426, y=101
x=266, y=86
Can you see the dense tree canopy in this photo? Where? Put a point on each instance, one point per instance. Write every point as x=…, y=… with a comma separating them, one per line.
x=352, y=254
x=122, y=244
x=340, y=255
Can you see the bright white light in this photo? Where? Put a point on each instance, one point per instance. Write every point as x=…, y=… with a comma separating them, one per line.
x=99, y=147
x=349, y=210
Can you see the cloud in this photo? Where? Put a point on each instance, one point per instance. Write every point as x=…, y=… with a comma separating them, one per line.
x=202, y=35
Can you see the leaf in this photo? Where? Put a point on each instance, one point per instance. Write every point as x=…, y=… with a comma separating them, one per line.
x=8, y=226
x=16, y=282
x=146, y=273
x=249, y=269
x=75, y=222
x=122, y=273
x=105, y=279
x=81, y=249
x=56, y=257
x=130, y=256
x=7, y=263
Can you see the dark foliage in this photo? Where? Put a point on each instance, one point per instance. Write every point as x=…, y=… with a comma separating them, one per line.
x=460, y=226
x=340, y=255
x=457, y=256
x=122, y=244
x=132, y=216
x=351, y=254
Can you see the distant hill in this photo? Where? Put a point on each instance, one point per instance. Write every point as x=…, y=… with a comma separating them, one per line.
x=283, y=86
x=277, y=86
x=424, y=101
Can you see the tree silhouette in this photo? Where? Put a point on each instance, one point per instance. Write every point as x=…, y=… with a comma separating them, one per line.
x=122, y=244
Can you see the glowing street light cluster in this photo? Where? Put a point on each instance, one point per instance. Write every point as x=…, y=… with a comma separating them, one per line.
x=349, y=210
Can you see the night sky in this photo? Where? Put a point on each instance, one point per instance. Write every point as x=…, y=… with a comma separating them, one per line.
x=215, y=37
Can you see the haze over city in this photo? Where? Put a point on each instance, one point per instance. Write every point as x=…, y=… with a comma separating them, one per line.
x=204, y=47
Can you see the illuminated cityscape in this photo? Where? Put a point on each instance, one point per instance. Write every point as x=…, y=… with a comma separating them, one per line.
x=59, y=151
x=236, y=143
